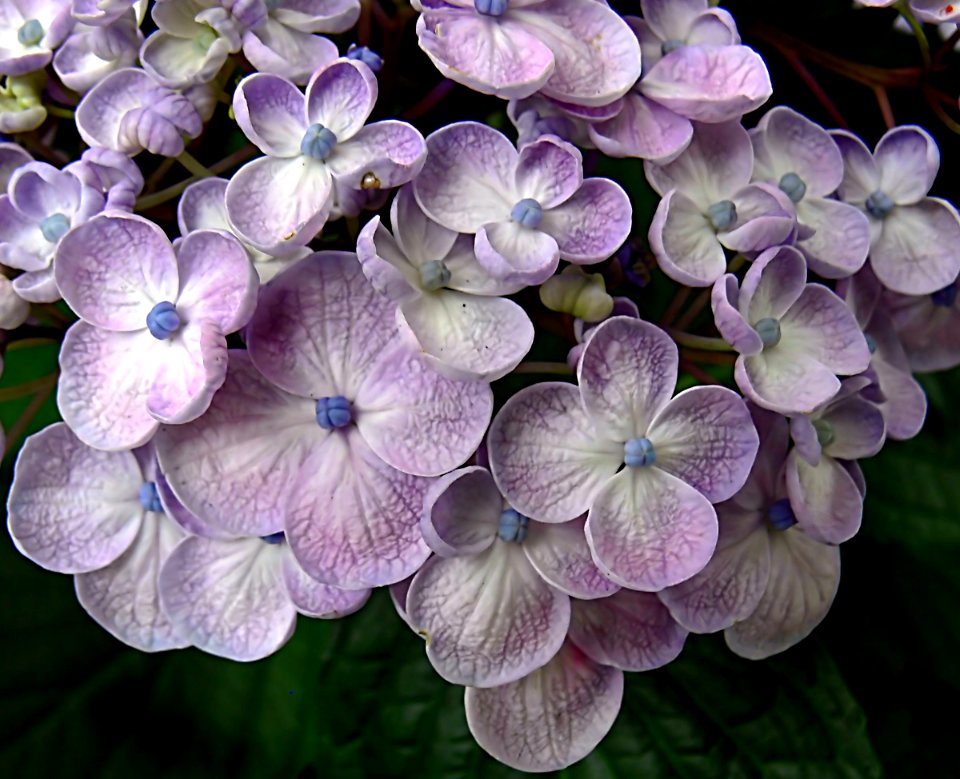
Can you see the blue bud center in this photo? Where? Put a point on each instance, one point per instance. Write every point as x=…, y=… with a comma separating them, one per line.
x=365, y=55
x=769, y=331
x=150, y=498
x=825, y=434
x=54, y=227
x=273, y=538
x=780, y=515
x=163, y=320
x=722, y=215
x=318, y=142
x=639, y=452
x=871, y=344
x=334, y=413
x=513, y=526
x=879, y=204
x=527, y=212
x=31, y=33
x=434, y=275
x=793, y=186
x=671, y=45
x=491, y=7
x=945, y=297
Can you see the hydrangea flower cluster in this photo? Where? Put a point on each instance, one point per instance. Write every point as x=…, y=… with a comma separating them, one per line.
x=289, y=404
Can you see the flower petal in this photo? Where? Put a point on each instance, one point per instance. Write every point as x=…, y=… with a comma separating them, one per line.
x=592, y=224
x=734, y=329
x=840, y=245
x=461, y=512
x=315, y=599
x=272, y=114
x=514, y=253
x=825, y=499
x=341, y=96
x=908, y=160
x=391, y=152
x=643, y=129
x=821, y=326
x=549, y=171
x=783, y=381
x=561, y=555
x=684, y=243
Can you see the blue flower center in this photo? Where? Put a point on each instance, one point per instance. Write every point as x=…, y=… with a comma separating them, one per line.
x=722, y=215
x=513, y=526
x=434, y=275
x=54, y=227
x=334, y=413
x=318, y=142
x=365, y=55
x=879, y=204
x=639, y=452
x=273, y=5
x=769, y=331
x=945, y=297
x=273, y=538
x=671, y=45
x=150, y=498
x=871, y=344
x=793, y=186
x=527, y=212
x=163, y=320
x=825, y=434
x=491, y=7
x=31, y=33
x=780, y=515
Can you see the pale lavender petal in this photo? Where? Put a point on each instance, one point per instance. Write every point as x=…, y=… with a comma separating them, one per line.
x=398, y=596
x=561, y=555
x=788, y=142
x=825, y=499
x=840, y=245
x=551, y=718
x=684, y=243
x=805, y=439
x=461, y=512
x=644, y=129
x=382, y=155
x=858, y=427
x=782, y=381
x=314, y=599
x=228, y=597
x=341, y=96
x=671, y=18
x=73, y=508
x=632, y=631
x=734, y=329
x=861, y=176
x=549, y=171
x=488, y=619
x=175, y=510
x=545, y=455
x=514, y=253
x=384, y=263
x=37, y=286
x=905, y=407
x=649, y=530
x=272, y=47
x=821, y=326
x=772, y=284
x=420, y=238
x=908, y=160
x=592, y=224
x=765, y=217
x=272, y=114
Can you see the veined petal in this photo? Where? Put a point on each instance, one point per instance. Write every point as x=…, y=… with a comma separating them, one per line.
x=821, y=326
x=315, y=599
x=390, y=153
x=341, y=96
x=560, y=554
x=592, y=224
x=644, y=129
x=840, y=245
x=908, y=160
x=272, y=114
x=861, y=176
x=272, y=47
x=734, y=329
x=772, y=284
x=419, y=237
x=859, y=429
x=785, y=382
x=512, y=252
x=549, y=170
x=684, y=243
x=788, y=142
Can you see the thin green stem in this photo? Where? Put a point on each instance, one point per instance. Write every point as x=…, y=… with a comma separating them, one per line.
x=552, y=368
x=26, y=418
x=27, y=388
x=157, y=198
x=63, y=113
x=918, y=31
x=193, y=165
x=704, y=342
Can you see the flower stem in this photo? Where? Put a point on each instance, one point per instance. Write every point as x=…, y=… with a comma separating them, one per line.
x=190, y=163
x=918, y=32
x=151, y=201
x=704, y=342
x=554, y=368
x=31, y=411
x=63, y=113
x=27, y=388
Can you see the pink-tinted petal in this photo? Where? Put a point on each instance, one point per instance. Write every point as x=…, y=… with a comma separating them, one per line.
x=551, y=718
x=549, y=171
x=644, y=129
x=908, y=160
x=825, y=499
x=228, y=597
x=341, y=96
x=905, y=407
x=514, y=253
x=488, y=619
x=592, y=224
x=123, y=597
x=352, y=520
x=545, y=454
x=649, y=530
x=684, y=243
x=821, y=326
x=461, y=512
x=175, y=510
x=561, y=555
x=314, y=599
x=416, y=420
x=271, y=112
x=627, y=374
x=114, y=268
x=804, y=576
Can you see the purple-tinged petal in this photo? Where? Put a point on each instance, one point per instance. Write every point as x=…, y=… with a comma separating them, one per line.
x=217, y=281
x=821, y=326
x=765, y=218
x=905, y=407
x=416, y=420
x=384, y=263
x=181, y=62
x=546, y=457
x=805, y=438
x=124, y=596
x=279, y=205
x=461, y=512
x=352, y=520
x=549, y=171
x=175, y=510
x=14, y=310
x=382, y=155
x=514, y=253
x=551, y=718
x=858, y=429
x=467, y=275
x=272, y=47
x=12, y=157
x=236, y=465
x=103, y=386
x=37, y=190
x=561, y=555
x=202, y=206
x=684, y=243
x=782, y=381
x=22, y=244
x=804, y=576
x=644, y=129
x=271, y=112
x=72, y=508
x=632, y=631
x=648, y=530
x=627, y=374
x=37, y=286
x=840, y=245
x=314, y=599
x=488, y=619
x=228, y=597
x=825, y=499
x=398, y=596
x=592, y=224
x=908, y=160
x=341, y=96
x=114, y=268
x=773, y=283
x=734, y=329
x=788, y=142
x=326, y=16
x=419, y=237
x=705, y=437
x=861, y=176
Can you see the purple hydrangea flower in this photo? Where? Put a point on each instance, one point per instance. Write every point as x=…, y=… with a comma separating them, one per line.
x=915, y=239
x=445, y=299
x=647, y=467
x=31, y=30
x=928, y=326
x=804, y=161
x=113, y=174
x=150, y=345
x=769, y=584
x=74, y=509
x=283, y=41
x=537, y=115
x=278, y=203
x=326, y=429
x=708, y=203
x=580, y=52
x=129, y=111
x=91, y=53
x=793, y=337
x=41, y=206
x=528, y=209
x=694, y=69
x=581, y=330
x=12, y=156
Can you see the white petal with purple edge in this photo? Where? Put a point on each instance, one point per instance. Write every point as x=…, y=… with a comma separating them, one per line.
x=784, y=381
x=561, y=555
x=512, y=252
x=684, y=243
x=644, y=129
x=549, y=171
x=841, y=242
x=341, y=96
x=272, y=47
x=820, y=325
x=908, y=160
x=734, y=329
x=419, y=237
x=592, y=224
x=381, y=156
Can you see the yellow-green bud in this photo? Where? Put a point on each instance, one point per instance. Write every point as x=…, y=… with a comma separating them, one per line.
x=580, y=294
